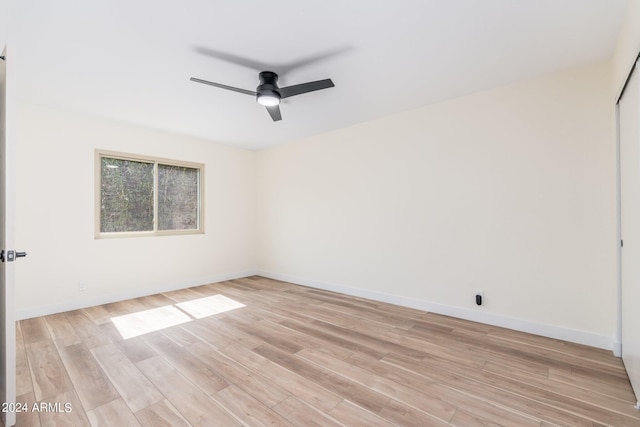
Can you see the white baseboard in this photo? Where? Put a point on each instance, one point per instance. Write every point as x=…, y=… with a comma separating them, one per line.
x=617, y=348
x=550, y=331
x=94, y=300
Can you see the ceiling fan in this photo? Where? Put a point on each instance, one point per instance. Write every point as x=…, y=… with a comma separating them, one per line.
x=269, y=94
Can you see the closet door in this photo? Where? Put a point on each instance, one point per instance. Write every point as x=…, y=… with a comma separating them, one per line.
x=629, y=133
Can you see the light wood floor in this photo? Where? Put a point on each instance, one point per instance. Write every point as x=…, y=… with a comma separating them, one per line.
x=295, y=356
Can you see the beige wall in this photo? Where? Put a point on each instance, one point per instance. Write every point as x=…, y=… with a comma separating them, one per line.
x=627, y=46
x=511, y=191
x=55, y=215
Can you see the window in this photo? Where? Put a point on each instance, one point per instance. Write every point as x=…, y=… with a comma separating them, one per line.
x=142, y=196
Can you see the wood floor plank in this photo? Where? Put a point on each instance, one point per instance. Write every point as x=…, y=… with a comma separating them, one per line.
x=63, y=410
x=135, y=349
x=248, y=409
x=121, y=308
x=134, y=388
x=98, y=314
x=601, y=376
x=161, y=414
x=456, y=323
x=404, y=415
x=305, y=340
x=48, y=373
x=109, y=330
x=266, y=333
x=90, y=382
x=568, y=348
x=617, y=389
x=423, y=399
x=481, y=390
x=373, y=315
x=432, y=348
x=463, y=418
x=198, y=408
x=325, y=314
x=232, y=333
x=473, y=404
x=291, y=310
x=88, y=331
x=294, y=383
x=605, y=402
x=262, y=311
x=201, y=375
x=157, y=300
x=24, y=385
x=370, y=339
x=336, y=340
x=360, y=306
x=300, y=413
x=205, y=330
x=570, y=403
x=114, y=413
x=61, y=330
x=34, y=330
x=182, y=295
x=251, y=382
x=28, y=417
x=363, y=396
x=532, y=353
x=179, y=335
x=350, y=414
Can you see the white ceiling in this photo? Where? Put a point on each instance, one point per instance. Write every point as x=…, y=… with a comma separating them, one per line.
x=131, y=60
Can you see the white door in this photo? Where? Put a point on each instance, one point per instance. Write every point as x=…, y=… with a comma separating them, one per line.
x=629, y=133
x=7, y=315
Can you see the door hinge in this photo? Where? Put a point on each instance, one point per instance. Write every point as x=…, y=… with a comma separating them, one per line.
x=622, y=243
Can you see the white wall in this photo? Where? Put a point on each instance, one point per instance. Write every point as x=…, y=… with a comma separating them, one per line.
x=510, y=190
x=55, y=215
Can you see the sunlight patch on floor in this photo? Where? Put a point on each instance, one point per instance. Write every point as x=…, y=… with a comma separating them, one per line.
x=208, y=306
x=155, y=319
x=143, y=322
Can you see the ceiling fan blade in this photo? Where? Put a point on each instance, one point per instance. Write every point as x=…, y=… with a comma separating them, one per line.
x=286, y=92
x=303, y=62
x=234, y=59
x=274, y=112
x=221, y=86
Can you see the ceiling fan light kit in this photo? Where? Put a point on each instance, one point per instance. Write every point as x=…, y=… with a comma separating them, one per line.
x=269, y=99
x=268, y=94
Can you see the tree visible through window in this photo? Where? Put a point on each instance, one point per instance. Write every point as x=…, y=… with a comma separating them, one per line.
x=126, y=196
x=145, y=195
x=177, y=198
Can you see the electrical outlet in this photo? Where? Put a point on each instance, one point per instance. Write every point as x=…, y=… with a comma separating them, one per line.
x=82, y=286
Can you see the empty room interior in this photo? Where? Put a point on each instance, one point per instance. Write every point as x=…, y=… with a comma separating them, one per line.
x=362, y=213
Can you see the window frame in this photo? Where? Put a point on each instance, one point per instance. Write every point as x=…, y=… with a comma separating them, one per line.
x=99, y=154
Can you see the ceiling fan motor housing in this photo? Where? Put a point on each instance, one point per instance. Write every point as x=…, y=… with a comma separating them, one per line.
x=268, y=85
